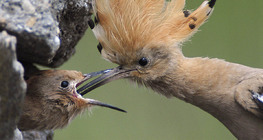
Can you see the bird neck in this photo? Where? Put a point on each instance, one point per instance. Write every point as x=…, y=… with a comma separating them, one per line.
x=200, y=81
x=210, y=84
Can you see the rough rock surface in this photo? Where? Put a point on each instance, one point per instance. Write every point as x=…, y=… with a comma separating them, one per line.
x=46, y=30
x=13, y=86
x=73, y=19
x=38, y=135
x=34, y=32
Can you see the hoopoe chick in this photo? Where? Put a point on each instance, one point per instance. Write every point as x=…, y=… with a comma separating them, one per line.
x=52, y=101
x=144, y=37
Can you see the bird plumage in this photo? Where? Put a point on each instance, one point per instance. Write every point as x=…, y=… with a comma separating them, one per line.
x=125, y=27
x=48, y=105
x=52, y=100
x=144, y=37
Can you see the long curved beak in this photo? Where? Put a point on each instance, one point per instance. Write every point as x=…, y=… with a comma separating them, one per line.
x=107, y=76
x=90, y=75
x=98, y=103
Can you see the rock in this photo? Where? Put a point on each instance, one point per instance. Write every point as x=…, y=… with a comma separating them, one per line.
x=18, y=135
x=43, y=32
x=13, y=86
x=46, y=30
x=38, y=135
x=73, y=22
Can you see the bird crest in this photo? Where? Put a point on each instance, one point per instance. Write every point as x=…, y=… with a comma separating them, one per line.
x=126, y=26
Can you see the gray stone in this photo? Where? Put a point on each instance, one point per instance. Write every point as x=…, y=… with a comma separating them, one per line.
x=38, y=135
x=34, y=31
x=73, y=22
x=47, y=31
x=13, y=86
x=18, y=135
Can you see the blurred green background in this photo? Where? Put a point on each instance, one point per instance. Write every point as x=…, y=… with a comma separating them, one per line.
x=234, y=32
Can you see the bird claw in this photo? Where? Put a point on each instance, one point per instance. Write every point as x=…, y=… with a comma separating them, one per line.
x=258, y=98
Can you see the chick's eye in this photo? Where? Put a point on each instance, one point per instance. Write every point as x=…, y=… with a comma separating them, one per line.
x=143, y=61
x=64, y=84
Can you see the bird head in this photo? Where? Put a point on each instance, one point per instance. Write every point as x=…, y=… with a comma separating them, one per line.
x=52, y=99
x=144, y=37
x=60, y=87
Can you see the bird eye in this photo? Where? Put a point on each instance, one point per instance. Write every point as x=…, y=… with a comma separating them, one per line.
x=64, y=84
x=143, y=61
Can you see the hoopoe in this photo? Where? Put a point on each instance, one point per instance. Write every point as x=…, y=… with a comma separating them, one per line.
x=144, y=38
x=52, y=101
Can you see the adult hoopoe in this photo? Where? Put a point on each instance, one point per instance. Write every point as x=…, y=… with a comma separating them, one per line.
x=144, y=37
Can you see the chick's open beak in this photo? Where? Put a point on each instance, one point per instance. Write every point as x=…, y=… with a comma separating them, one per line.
x=98, y=103
x=106, y=76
